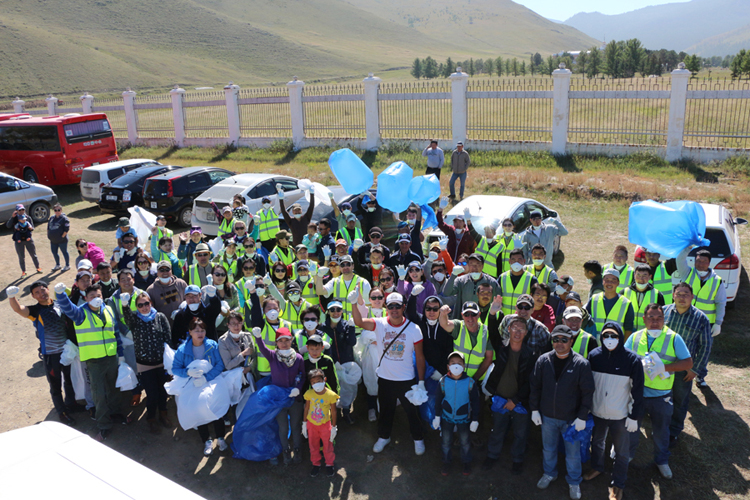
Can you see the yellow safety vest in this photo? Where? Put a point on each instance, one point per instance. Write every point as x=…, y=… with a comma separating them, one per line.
x=96, y=338
x=490, y=255
x=662, y=281
x=194, y=277
x=704, y=295
x=616, y=314
x=302, y=340
x=510, y=294
x=626, y=276
x=226, y=226
x=581, y=345
x=313, y=268
x=269, y=225
x=341, y=292
x=663, y=345
x=504, y=266
x=343, y=233
x=231, y=269
x=292, y=314
x=649, y=297
x=542, y=276
x=268, y=336
x=285, y=258
x=131, y=304
x=308, y=292
x=473, y=355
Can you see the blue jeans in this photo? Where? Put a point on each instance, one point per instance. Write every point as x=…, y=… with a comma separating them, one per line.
x=453, y=183
x=660, y=410
x=552, y=430
x=681, y=398
x=446, y=430
x=621, y=442
x=63, y=247
x=500, y=423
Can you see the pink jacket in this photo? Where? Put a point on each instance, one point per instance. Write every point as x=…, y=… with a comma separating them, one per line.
x=95, y=255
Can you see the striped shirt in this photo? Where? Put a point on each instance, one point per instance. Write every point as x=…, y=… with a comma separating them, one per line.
x=695, y=329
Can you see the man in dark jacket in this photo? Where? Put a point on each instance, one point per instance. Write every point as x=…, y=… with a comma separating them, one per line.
x=203, y=304
x=562, y=390
x=509, y=380
x=617, y=404
x=459, y=239
x=403, y=254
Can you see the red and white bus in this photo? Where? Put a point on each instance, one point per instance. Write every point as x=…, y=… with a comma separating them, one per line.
x=54, y=150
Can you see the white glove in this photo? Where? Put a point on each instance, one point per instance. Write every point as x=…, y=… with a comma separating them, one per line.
x=432, y=257
x=322, y=272
x=474, y=426
x=256, y=332
x=59, y=288
x=436, y=423
x=467, y=214
x=536, y=417
x=273, y=258
x=330, y=195
x=304, y=429
x=401, y=272
x=125, y=298
x=258, y=244
x=224, y=309
x=183, y=305
x=579, y=424
x=353, y=296
x=443, y=202
x=357, y=244
x=326, y=346
x=631, y=425
x=200, y=381
x=715, y=330
x=209, y=290
x=210, y=279
x=209, y=199
x=420, y=385
x=436, y=376
x=312, y=189
x=267, y=280
x=118, y=255
x=195, y=372
x=121, y=360
x=256, y=220
x=417, y=290
x=250, y=283
x=294, y=393
x=443, y=242
x=334, y=432
x=326, y=251
x=12, y=291
x=457, y=270
x=131, y=265
x=279, y=189
x=281, y=195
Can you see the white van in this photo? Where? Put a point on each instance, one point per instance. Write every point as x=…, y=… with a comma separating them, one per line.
x=93, y=178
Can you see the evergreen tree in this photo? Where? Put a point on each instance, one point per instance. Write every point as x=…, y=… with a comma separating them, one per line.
x=593, y=65
x=538, y=60
x=693, y=64
x=632, y=57
x=514, y=66
x=449, y=68
x=429, y=67
x=550, y=65
x=612, y=60
x=523, y=68
x=416, y=69
x=471, y=67
x=499, y=66
x=489, y=66
x=479, y=66
x=508, y=69
x=583, y=59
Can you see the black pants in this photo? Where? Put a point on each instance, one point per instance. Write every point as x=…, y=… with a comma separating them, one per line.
x=54, y=371
x=389, y=391
x=156, y=396
x=435, y=171
x=269, y=244
x=219, y=429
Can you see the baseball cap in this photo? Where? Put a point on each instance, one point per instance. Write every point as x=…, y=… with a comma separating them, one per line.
x=314, y=339
x=561, y=330
x=376, y=231
x=192, y=289
x=293, y=286
x=160, y=217
x=282, y=234
x=230, y=241
x=341, y=241
x=283, y=332
x=565, y=280
x=265, y=199
x=403, y=237
x=525, y=299
x=346, y=258
x=394, y=298
x=351, y=217
x=37, y=284
x=459, y=143
x=226, y=209
x=302, y=264
x=85, y=264
x=573, y=296
x=123, y=222
x=378, y=249
x=611, y=272
x=470, y=307
x=415, y=263
x=20, y=207
x=299, y=247
x=164, y=263
x=195, y=229
x=456, y=353
x=572, y=312
x=334, y=303
x=81, y=274
x=476, y=257
x=459, y=217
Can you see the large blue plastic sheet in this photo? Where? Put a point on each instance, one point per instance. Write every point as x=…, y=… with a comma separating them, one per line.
x=351, y=172
x=429, y=219
x=424, y=189
x=667, y=228
x=393, y=187
x=256, y=433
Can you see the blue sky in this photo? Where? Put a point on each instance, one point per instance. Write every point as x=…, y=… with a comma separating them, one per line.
x=562, y=10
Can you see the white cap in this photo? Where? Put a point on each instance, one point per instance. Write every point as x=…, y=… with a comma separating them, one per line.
x=572, y=312
x=85, y=264
x=394, y=298
x=611, y=272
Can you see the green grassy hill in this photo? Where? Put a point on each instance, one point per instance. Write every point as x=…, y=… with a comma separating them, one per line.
x=730, y=42
x=97, y=45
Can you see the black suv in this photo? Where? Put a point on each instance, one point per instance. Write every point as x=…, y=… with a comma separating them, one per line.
x=171, y=194
x=126, y=191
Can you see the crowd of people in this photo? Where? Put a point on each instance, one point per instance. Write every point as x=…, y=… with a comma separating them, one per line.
x=474, y=320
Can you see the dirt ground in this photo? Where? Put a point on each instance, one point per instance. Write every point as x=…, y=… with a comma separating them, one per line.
x=712, y=460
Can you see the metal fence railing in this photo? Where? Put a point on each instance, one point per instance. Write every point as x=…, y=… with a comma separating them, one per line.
x=334, y=111
x=154, y=116
x=115, y=111
x=205, y=114
x=264, y=112
x=717, y=114
x=415, y=110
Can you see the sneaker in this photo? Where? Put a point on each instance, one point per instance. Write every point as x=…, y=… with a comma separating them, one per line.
x=419, y=447
x=39, y=270
x=287, y=457
x=67, y=419
x=315, y=471
x=445, y=469
x=92, y=413
x=222, y=444
x=575, y=491
x=56, y=268
x=372, y=415
x=544, y=482
x=23, y=274
x=467, y=469
x=103, y=434
x=208, y=448
x=297, y=458
x=701, y=382
x=488, y=463
x=380, y=444
x=665, y=471
x=330, y=470
x=517, y=468
x=66, y=268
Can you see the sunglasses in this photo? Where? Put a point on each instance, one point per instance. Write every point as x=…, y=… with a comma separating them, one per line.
x=432, y=309
x=58, y=210
x=312, y=318
x=610, y=336
x=394, y=306
x=560, y=340
x=143, y=304
x=469, y=314
x=462, y=264
x=376, y=236
x=507, y=225
x=83, y=246
x=248, y=246
x=335, y=310
x=284, y=238
x=346, y=264
x=387, y=278
x=220, y=275
x=202, y=254
x=376, y=297
x=129, y=242
x=248, y=269
x=279, y=270
x=524, y=307
x=332, y=264
x=164, y=269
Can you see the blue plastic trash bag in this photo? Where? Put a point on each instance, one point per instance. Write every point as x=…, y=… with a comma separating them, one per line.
x=571, y=434
x=393, y=187
x=424, y=189
x=667, y=228
x=429, y=219
x=497, y=404
x=427, y=410
x=256, y=433
x=351, y=172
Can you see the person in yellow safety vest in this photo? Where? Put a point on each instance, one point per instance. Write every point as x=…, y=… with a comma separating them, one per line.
x=339, y=288
x=268, y=319
x=199, y=272
x=673, y=357
x=243, y=285
x=350, y=232
x=542, y=272
x=100, y=347
x=488, y=247
x=620, y=262
x=583, y=342
x=310, y=326
x=709, y=296
x=661, y=274
x=510, y=241
x=228, y=259
x=267, y=221
x=165, y=251
x=470, y=338
x=611, y=306
x=642, y=293
x=226, y=226
x=300, y=251
x=282, y=252
x=306, y=281
x=515, y=282
x=291, y=309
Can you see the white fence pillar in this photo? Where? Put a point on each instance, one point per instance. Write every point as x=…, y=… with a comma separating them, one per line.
x=459, y=82
x=296, y=110
x=87, y=103
x=232, y=95
x=560, y=110
x=51, y=105
x=19, y=105
x=677, y=106
x=178, y=115
x=128, y=100
x=372, y=113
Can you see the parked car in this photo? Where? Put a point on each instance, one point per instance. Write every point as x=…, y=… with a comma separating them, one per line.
x=93, y=178
x=127, y=190
x=37, y=199
x=726, y=255
x=171, y=194
x=489, y=211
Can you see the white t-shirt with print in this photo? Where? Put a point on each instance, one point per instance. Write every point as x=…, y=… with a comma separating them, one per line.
x=398, y=362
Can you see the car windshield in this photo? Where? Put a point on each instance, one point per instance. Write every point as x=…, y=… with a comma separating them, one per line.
x=719, y=246
x=134, y=175
x=479, y=223
x=90, y=176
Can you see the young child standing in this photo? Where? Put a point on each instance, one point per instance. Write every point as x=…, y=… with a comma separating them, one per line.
x=320, y=411
x=457, y=403
x=311, y=239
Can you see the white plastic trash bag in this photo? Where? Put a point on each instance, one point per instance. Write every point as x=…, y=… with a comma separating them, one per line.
x=126, y=378
x=416, y=396
x=349, y=375
x=369, y=357
x=141, y=229
x=321, y=193
x=246, y=392
x=216, y=245
x=233, y=379
x=168, y=358
x=202, y=405
x=69, y=353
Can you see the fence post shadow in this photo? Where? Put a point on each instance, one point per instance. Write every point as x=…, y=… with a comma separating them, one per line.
x=567, y=163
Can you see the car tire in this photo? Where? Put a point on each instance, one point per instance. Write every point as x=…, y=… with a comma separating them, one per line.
x=39, y=212
x=30, y=176
x=184, y=218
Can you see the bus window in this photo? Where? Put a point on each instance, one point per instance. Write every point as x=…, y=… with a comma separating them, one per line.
x=29, y=138
x=85, y=131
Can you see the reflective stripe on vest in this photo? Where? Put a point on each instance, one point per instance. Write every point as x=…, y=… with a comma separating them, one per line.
x=663, y=346
x=505, y=256
x=626, y=276
x=490, y=255
x=542, y=277
x=292, y=314
x=269, y=225
x=268, y=336
x=649, y=297
x=343, y=233
x=616, y=314
x=308, y=292
x=231, y=269
x=581, y=345
x=285, y=258
x=341, y=292
x=96, y=338
x=473, y=356
x=663, y=283
x=226, y=227
x=194, y=277
x=704, y=296
x=510, y=295
x=313, y=268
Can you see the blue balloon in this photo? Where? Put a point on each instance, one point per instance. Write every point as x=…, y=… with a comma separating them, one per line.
x=667, y=228
x=351, y=172
x=424, y=189
x=393, y=187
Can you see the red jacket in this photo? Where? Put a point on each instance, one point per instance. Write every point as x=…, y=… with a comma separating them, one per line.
x=455, y=246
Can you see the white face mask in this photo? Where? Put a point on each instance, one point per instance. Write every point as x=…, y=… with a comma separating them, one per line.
x=456, y=369
x=347, y=212
x=377, y=266
x=165, y=280
x=260, y=292
x=610, y=343
x=294, y=297
x=319, y=386
x=516, y=267
x=144, y=273
x=703, y=274
x=560, y=290
x=575, y=332
x=272, y=314
x=507, y=233
x=335, y=320
x=475, y=276
x=220, y=287
x=310, y=325
x=266, y=206
x=305, y=278
x=297, y=216
x=439, y=276
x=106, y=283
x=588, y=281
x=194, y=307
x=371, y=209
x=641, y=286
x=459, y=232
x=313, y=358
x=285, y=352
x=432, y=322
x=411, y=222
x=234, y=335
x=654, y=333
x=538, y=262
x=250, y=253
x=96, y=302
